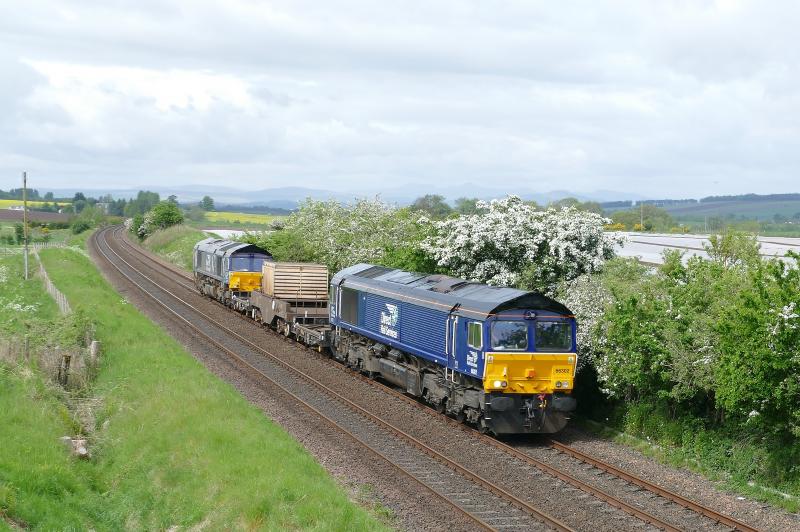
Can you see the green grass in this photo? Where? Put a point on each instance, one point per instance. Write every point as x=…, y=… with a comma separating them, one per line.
x=760, y=470
x=175, y=244
x=22, y=303
x=40, y=486
x=174, y=445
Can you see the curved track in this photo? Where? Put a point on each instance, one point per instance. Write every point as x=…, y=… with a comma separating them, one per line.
x=513, y=452
x=488, y=505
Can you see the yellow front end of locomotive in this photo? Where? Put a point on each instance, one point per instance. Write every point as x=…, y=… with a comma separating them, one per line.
x=529, y=373
x=244, y=281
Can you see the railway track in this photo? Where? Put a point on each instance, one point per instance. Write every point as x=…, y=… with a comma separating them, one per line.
x=488, y=505
x=522, y=456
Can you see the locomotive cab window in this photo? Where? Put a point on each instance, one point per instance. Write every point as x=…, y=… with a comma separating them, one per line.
x=474, y=335
x=246, y=263
x=553, y=336
x=349, y=306
x=510, y=335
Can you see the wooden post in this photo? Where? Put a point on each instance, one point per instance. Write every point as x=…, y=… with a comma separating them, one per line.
x=25, y=219
x=67, y=358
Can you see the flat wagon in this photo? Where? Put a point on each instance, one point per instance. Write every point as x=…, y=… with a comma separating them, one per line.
x=293, y=299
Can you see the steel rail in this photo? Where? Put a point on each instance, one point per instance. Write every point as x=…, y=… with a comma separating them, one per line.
x=474, y=477
x=652, y=487
x=584, y=457
x=546, y=468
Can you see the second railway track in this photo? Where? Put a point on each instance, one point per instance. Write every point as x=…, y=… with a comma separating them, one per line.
x=486, y=504
x=713, y=520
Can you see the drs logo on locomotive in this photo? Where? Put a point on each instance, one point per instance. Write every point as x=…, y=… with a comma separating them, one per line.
x=389, y=317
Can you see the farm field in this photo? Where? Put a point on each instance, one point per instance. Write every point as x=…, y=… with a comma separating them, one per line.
x=762, y=210
x=6, y=203
x=241, y=217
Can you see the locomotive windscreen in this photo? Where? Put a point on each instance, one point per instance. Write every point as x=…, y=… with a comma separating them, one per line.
x=247, y=263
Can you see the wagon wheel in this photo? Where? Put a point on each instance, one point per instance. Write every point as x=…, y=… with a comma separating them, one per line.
x=441, y=406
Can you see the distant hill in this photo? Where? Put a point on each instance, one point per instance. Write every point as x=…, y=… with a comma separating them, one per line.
x=401, y=194
x=757, y=209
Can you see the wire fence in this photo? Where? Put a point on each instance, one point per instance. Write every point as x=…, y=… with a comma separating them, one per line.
x=45, y=245
x=61, y=299
x=35, y=246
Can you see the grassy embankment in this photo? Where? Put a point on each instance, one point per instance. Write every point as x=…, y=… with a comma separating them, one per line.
x=175, y=244
x=171, y=443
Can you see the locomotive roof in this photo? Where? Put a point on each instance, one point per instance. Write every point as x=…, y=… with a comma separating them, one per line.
x=465, y=298
x=226, y=248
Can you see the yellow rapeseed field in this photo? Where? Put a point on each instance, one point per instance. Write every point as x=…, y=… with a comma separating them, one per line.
x=242, y=217
x=6, y=203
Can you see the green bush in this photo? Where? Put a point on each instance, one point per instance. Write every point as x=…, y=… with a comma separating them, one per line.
x=166, y=214
x=79, y=226
x=703, y=358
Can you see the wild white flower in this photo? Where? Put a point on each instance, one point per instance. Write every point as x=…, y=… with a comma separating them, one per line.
x=343, y=235
x=16, y=306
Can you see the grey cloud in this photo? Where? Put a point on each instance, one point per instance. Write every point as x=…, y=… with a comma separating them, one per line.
x=674, y=97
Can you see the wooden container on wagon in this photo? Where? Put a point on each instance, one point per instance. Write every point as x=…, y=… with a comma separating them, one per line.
x=295, y=280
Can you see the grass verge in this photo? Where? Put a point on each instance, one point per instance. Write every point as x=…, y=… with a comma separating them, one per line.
x=175, y=244
x=172, y=445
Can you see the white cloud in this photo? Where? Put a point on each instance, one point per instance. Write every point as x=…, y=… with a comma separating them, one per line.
x=663, y=98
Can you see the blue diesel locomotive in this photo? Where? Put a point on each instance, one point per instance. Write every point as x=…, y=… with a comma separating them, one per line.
x=499, y=358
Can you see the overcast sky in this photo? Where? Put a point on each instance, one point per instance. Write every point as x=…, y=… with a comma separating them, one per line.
x=667, y=99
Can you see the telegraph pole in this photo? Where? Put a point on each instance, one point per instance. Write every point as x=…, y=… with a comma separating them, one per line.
x=25, y=219
x=641, y=215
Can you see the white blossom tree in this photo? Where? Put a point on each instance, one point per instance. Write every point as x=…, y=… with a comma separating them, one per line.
x=341, y=235
x=507, y=242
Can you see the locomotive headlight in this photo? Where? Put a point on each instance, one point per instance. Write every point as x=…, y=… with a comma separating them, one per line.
x=500, y=384
x=558, y=384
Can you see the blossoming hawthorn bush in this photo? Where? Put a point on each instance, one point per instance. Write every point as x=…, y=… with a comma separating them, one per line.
x=340, y=235
x=508, y=242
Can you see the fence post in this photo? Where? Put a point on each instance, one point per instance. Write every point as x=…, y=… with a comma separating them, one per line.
x=67, y=357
